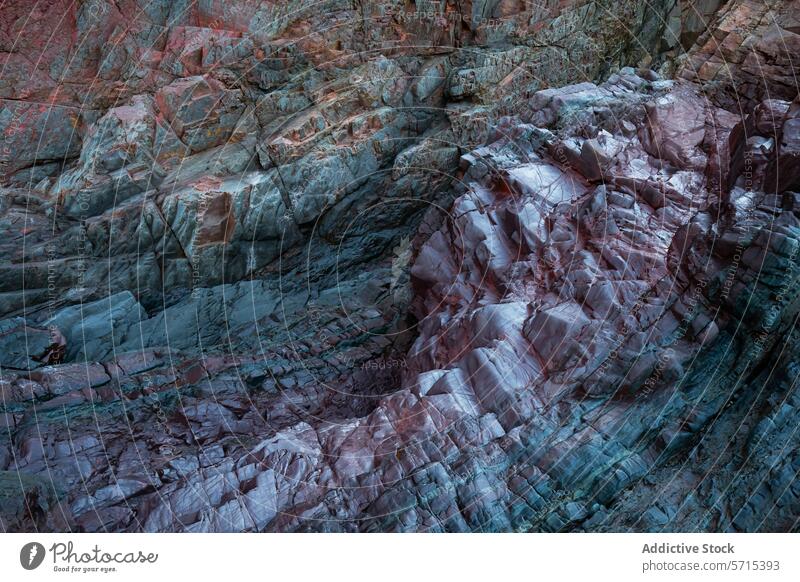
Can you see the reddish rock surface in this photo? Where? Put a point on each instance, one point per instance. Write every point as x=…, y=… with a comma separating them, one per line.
x=443, y=267
x=747, y=54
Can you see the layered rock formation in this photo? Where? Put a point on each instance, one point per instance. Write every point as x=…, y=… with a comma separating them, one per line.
x=405, y=266
x=747, y=53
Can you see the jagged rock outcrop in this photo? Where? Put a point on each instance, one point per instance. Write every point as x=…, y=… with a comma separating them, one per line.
x=746, y=55
x=396, y=266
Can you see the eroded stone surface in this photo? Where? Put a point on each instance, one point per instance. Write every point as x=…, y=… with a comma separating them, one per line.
x=376, y=268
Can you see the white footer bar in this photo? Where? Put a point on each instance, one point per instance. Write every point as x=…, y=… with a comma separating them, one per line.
x=388, y=557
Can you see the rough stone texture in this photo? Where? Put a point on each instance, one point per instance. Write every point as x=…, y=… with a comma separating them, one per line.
x=397, y=266
x=747, y=53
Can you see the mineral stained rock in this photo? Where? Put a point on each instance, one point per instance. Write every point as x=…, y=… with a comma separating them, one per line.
x=399, y=266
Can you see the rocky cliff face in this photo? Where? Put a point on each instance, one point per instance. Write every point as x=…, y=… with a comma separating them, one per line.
x=399, y=266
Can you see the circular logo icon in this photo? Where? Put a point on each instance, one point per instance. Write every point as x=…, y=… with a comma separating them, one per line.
x=31, y=555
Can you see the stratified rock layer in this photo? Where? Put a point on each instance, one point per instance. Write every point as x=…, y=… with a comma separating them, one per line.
x=269, y=267
x=747, y=54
